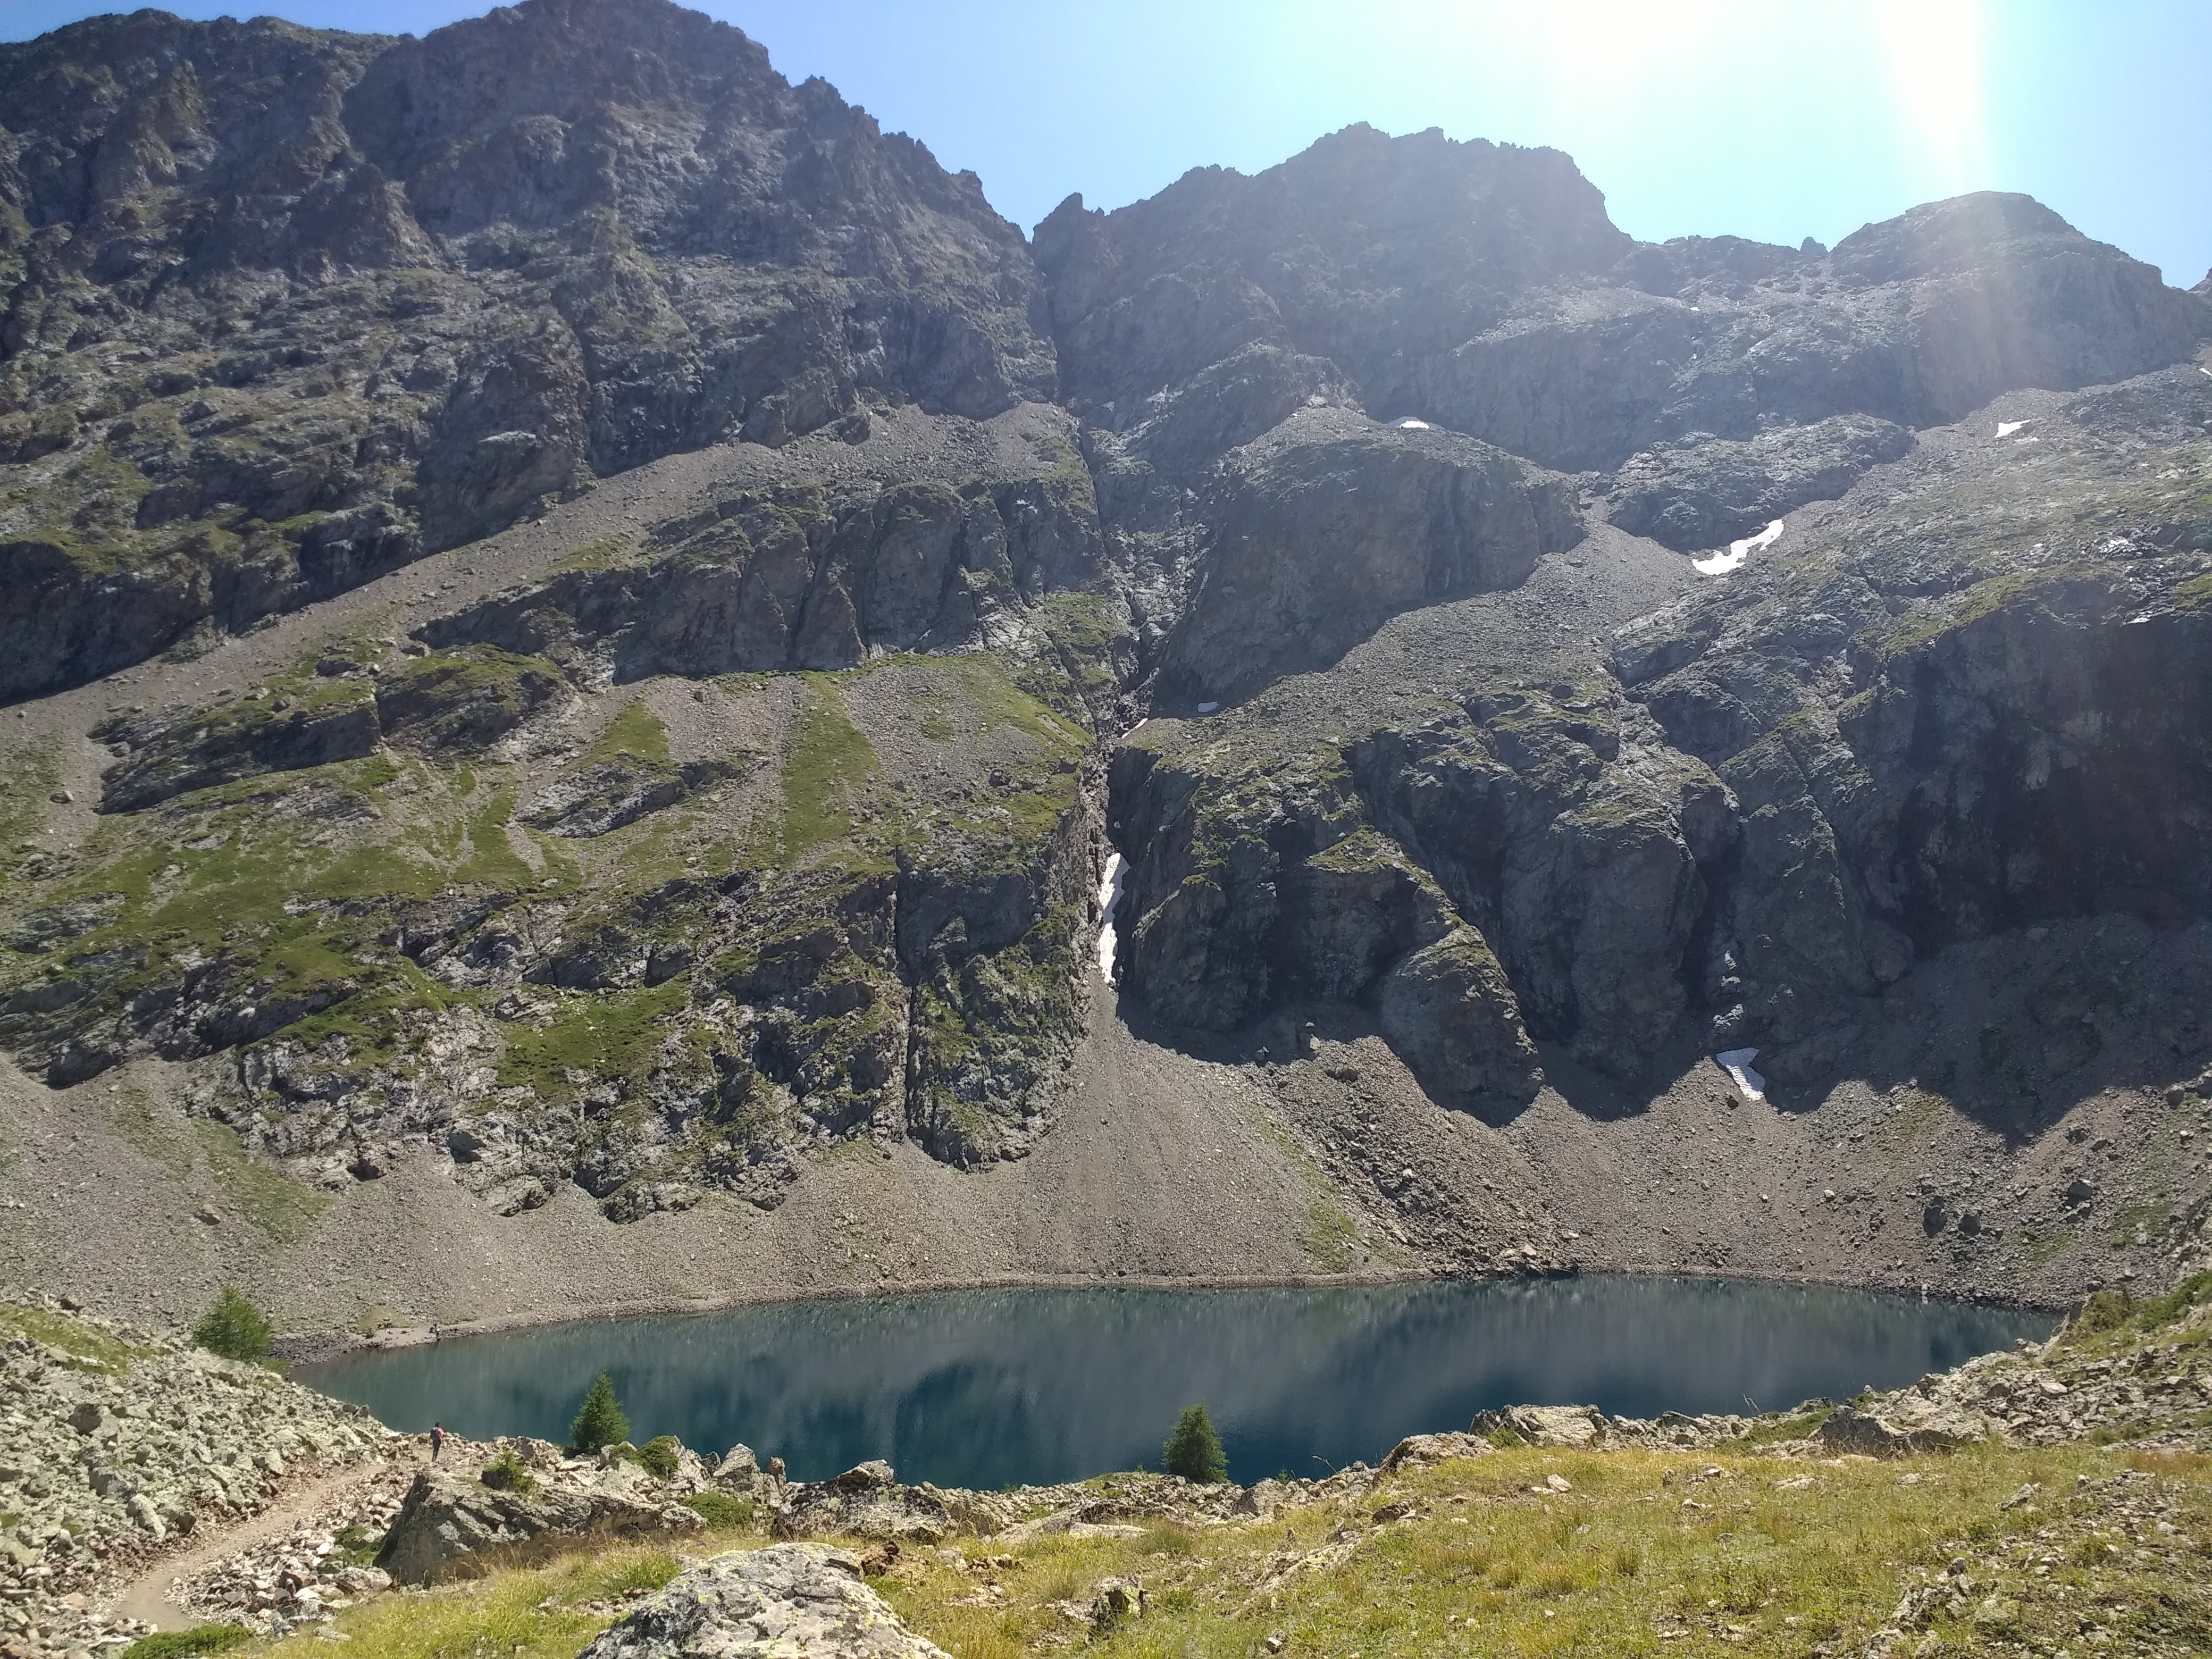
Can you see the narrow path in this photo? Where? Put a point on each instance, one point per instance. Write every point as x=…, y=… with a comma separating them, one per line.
x=147, y=1597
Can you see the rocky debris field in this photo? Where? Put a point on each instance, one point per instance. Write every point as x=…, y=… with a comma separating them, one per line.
x=317, y=1567
x=123, y=1444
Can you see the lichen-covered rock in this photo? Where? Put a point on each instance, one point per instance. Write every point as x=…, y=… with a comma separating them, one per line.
x=864, y=1502
x=785, y=1599
x=448, y=1513
x=1850, y=1430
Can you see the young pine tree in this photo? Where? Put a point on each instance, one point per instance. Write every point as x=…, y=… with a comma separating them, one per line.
x=1194, y=1450
x=234, y=1327
x=600, y=1423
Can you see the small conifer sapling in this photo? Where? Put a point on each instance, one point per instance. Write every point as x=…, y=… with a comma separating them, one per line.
x=1193, y=1449
x=600, y=1423
x=234, y=1327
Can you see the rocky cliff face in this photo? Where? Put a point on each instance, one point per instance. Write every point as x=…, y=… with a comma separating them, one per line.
x=643, y=594
x=1761, y=804
x=287, y=309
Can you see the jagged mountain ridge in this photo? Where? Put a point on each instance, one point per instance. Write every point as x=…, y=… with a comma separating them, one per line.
x=743, y=802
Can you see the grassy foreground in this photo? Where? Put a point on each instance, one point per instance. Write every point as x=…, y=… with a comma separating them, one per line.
x=1644, y=1553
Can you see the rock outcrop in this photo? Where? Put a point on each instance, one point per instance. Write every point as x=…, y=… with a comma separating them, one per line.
x=1329, y=524
x=1760, y=808
x=451, y=1513
x=867, y=1501
x=788, y=1598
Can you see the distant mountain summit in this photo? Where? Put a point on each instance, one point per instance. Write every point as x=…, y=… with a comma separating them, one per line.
x=542, y=245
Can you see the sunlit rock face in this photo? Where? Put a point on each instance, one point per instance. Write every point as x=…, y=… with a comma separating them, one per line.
x=288, y=308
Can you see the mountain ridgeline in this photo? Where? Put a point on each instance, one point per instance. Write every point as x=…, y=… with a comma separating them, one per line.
x=582, y=614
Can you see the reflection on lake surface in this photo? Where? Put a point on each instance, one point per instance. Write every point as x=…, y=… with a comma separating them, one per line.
x=984, y=1387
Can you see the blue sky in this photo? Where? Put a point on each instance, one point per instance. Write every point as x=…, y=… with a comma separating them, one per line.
x=1772, y=120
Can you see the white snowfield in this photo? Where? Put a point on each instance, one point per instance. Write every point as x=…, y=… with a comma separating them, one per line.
x=1110, y=895
x=2005, y=428
x=1719, y=564
x=1736, y=1062
x=1409, y=424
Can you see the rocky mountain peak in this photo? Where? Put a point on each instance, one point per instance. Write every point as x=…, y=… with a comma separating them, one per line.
x=812, y=580
x=1964, y=234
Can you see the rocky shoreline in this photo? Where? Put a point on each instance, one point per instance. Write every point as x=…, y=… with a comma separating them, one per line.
x=311, y=1348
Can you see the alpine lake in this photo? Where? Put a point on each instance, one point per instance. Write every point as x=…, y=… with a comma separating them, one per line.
x=989, y=1388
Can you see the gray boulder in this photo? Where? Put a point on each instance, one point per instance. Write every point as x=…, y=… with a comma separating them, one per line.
x=787, y=1598
x=446, y=1516
x=864, y=1502
x=1849, y=1430
x=1448, y=1011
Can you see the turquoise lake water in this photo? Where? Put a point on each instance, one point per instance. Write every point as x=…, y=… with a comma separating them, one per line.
x=984, y=1387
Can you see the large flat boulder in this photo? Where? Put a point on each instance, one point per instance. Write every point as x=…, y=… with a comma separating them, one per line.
x=787, y=1598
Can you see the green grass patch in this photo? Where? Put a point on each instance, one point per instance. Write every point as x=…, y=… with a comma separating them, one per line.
x=492, y=860
x=1329, y=1236
x=1800, y=1426
x=2039, y=1247
x=829, y=768
x=188, y=1643
x=91, y=1347
x=281, y=1207
x=636, y=734
x=2150, y=1215
x=720, y=1511
x=132, y=1114
x=1915, y=1123
x=544, y=1612
x=617, y=1035
x=27, y=777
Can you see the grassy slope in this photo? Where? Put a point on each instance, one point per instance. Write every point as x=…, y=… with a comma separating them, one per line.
x=1648, y=1553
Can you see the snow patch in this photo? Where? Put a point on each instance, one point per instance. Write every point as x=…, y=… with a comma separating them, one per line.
x=1736, y=1062
x=1409, y=424
x=2005, y=428
x=1109, y=896
x=1719, y=564
x=1207, y=708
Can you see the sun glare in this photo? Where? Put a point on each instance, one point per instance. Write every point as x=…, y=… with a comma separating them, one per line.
x=1934, y=51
